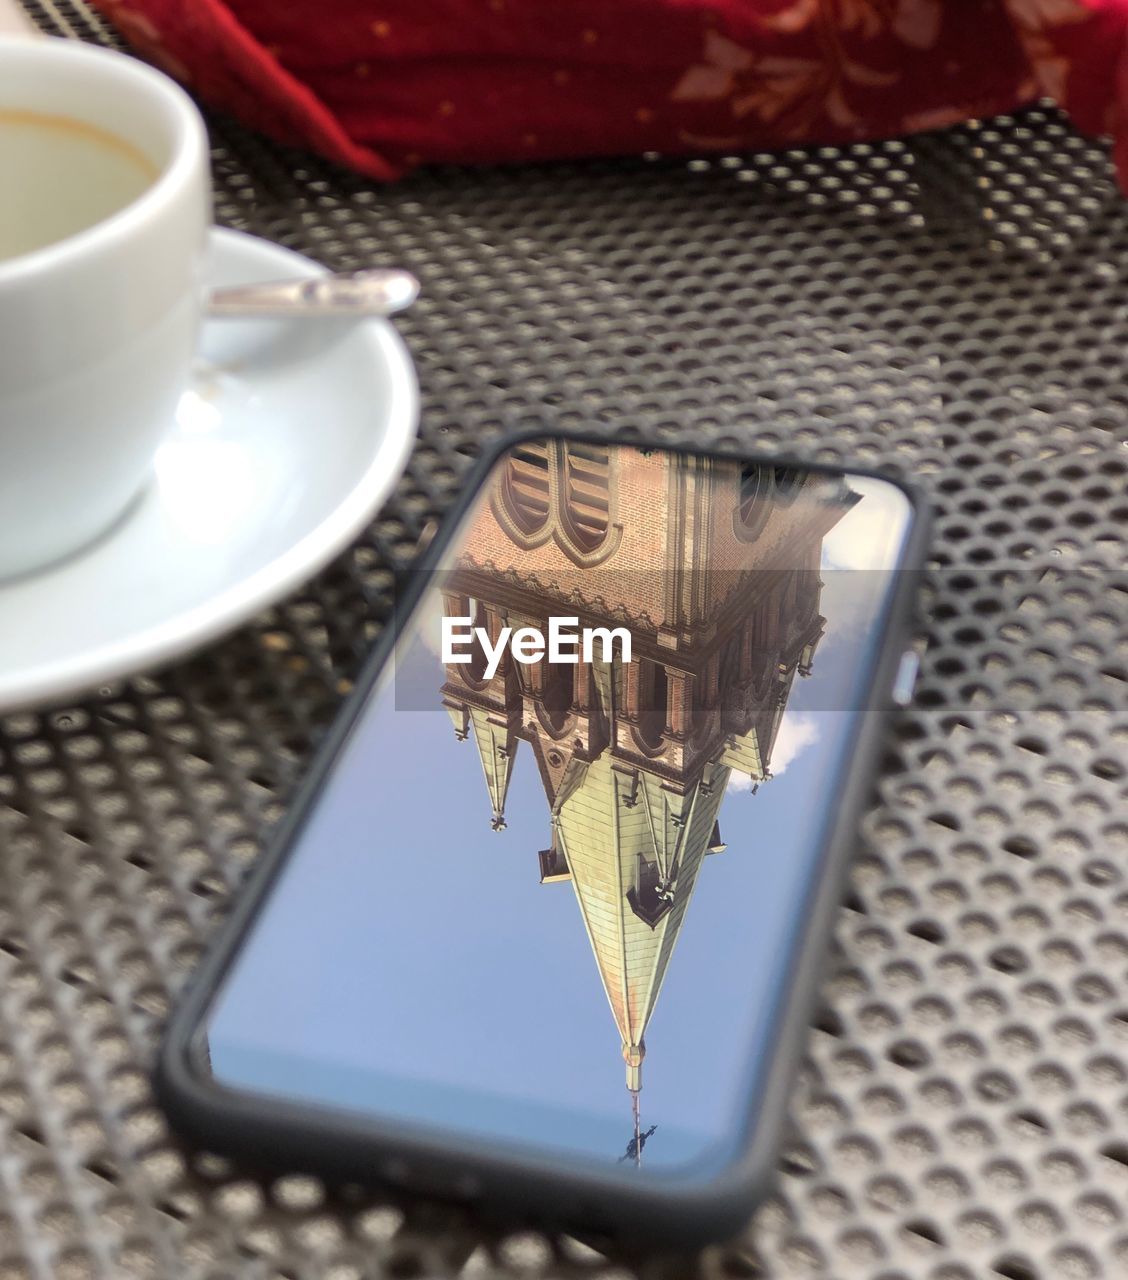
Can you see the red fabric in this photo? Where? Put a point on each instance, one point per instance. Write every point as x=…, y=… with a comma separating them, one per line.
x=384, y=86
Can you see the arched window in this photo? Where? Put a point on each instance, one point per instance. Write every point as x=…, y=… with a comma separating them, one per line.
x=526, y=486
x=586, y=494
x=564, y=490
x=765, y=641
x=474, y=672
x=557, y=695
x=730, y=661
x=788, y=482
x=754, y=501
x=653, y=696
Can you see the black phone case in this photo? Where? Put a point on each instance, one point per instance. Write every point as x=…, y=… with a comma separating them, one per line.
x=513, y=1182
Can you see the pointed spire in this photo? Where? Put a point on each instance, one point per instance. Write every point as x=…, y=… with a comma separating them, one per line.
x=459, y=714
x=650, y=853
x=496, y=739
x=742, y=753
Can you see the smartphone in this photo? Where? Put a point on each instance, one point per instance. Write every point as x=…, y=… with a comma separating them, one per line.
x=543, y=927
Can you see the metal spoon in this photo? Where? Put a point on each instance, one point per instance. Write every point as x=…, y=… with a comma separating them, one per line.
x=378, y=292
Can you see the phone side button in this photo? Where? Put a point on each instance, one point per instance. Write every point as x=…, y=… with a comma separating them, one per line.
x=904, y=682
x=427, y=536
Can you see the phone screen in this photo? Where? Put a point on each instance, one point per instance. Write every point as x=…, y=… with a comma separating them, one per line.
x=551, y=891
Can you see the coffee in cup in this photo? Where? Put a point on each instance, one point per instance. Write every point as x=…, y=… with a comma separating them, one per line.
x=103, y=228
x=71, y=175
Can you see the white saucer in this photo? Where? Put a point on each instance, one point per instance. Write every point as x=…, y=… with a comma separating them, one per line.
x=289, y=439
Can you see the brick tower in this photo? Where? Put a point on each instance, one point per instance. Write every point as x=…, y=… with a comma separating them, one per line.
x=714, y=568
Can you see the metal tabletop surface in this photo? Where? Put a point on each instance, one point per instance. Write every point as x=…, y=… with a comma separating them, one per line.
x=952, y=307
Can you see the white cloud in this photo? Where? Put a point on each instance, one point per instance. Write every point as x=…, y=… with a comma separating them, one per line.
x=869, y=535
x=858, y=555
x=797, y=731
x=430, y=622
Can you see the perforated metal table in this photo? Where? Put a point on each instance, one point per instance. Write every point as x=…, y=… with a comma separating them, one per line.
x=953, y=307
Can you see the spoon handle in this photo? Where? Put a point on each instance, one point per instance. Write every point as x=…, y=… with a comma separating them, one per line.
x=378, y=292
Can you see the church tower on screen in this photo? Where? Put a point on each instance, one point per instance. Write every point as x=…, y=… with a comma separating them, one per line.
x=714, y=568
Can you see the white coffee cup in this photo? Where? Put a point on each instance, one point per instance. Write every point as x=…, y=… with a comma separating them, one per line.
x=104, y=210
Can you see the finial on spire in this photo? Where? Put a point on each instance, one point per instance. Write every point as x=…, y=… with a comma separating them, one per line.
x=636, y=1144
